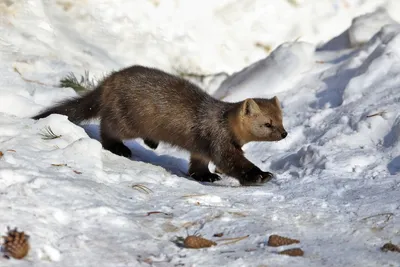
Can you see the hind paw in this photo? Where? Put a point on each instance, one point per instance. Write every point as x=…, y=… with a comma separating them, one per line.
x=120, y=149
x=150, y=143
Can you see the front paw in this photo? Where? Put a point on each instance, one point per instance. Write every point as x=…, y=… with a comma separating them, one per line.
x=255, y=176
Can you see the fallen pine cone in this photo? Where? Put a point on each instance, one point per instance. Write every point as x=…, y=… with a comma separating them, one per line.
x=277, y=241
x=390, y=247
x=1, y=154
x=294, y=252
x=16, y=244
x=193, y=241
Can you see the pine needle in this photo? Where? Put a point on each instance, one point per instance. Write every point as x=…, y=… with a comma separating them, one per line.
x=84, y=84
x=48, y=134
x=293, y=3
x=232, y=240
x=194, y=195
x=142, y=188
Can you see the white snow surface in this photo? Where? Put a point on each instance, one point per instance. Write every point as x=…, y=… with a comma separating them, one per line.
x=337, y=185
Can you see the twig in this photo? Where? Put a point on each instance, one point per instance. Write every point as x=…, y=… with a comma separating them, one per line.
x=381, y=113
x=388, y=215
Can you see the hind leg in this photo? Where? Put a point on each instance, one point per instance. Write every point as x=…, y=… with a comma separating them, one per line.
x=111, y=142
x=199, y=171
x=150, y=143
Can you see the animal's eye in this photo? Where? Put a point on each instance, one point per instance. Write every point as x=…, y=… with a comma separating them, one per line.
x=268, y=125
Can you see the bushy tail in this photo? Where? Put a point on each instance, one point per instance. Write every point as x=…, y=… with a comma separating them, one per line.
x=77, y=109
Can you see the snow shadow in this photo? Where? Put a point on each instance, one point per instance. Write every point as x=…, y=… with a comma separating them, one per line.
x=393, y=136
x=340, y=42
x=177, y=166
x=335, y=85
x=394, y=166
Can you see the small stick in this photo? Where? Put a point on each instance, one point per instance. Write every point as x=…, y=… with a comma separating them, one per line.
x=388, y=215
x=158, y=212
x=376, y=114
x=59, y=165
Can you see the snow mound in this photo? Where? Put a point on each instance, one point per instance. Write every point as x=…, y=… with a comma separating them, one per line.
x=270, y=75
x=366, y=26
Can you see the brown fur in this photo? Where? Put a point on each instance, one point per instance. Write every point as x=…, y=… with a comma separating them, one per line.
x=140, y=102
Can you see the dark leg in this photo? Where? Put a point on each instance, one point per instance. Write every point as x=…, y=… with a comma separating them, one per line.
x=111, y=142
x=150, y=143
x=231, y=161
x=198, y=169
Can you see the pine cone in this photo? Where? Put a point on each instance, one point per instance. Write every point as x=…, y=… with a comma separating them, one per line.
x=390, y=247
x=277, y=241
x=16, y=244
x=292, y=252
x=193, y=241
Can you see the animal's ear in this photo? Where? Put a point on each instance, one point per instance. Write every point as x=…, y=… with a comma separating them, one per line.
x=250, y=107
x=275, y=100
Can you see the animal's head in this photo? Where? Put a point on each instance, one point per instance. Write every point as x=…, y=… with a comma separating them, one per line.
x=261, y=120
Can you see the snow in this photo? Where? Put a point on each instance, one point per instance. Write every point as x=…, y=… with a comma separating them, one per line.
x=337, y=185
x=365, y=26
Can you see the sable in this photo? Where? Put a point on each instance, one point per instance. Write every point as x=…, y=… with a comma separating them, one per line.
x=147, y=103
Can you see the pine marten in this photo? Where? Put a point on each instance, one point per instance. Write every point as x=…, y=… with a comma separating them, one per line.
x=147, y=103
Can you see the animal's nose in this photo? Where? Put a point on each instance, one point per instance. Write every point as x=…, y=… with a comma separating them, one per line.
x=284, y=134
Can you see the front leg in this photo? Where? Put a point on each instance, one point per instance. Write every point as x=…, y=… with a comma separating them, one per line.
x=231, y=161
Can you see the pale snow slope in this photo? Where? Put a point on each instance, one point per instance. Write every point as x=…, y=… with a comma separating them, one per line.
x=336, y=172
